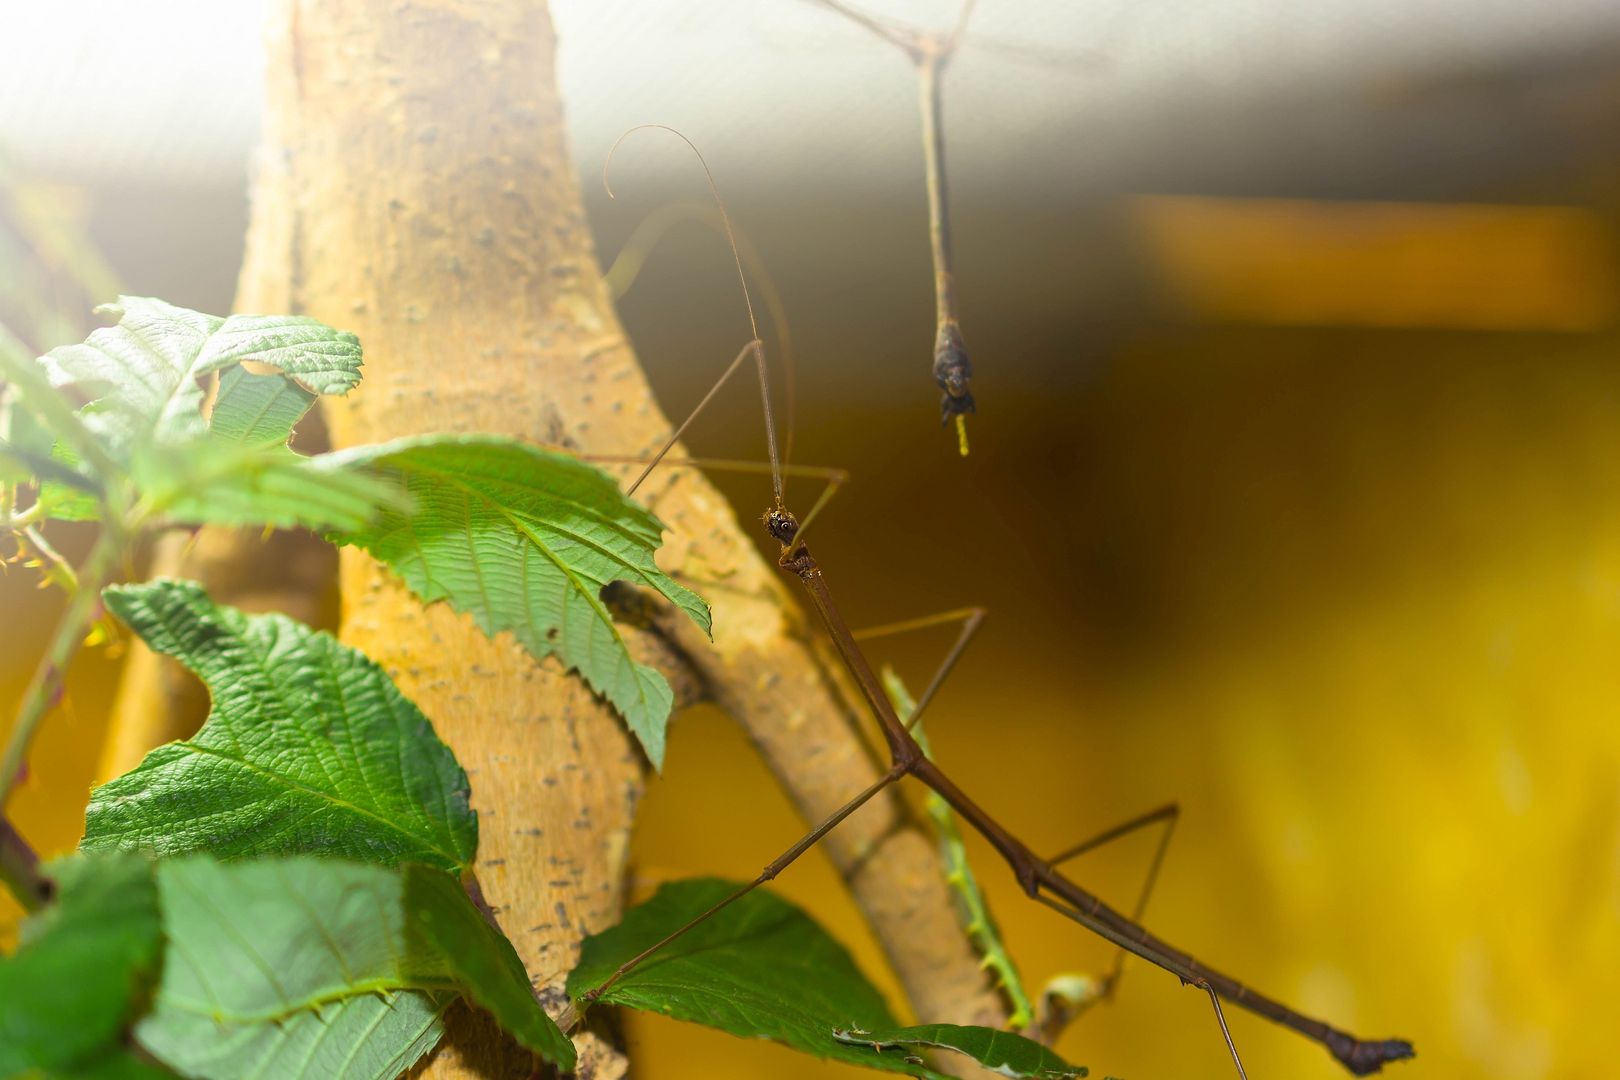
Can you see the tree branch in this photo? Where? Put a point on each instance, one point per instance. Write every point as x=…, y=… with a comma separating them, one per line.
x=415, y=188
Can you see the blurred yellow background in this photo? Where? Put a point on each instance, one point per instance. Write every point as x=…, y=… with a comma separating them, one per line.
x=1292, y=497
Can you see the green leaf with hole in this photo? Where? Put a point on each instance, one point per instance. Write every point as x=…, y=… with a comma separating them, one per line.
x=264, y=942
x=525, y=539
x=309, y=748
x=145, y=419
x=761, y=968
x=143, y=376
x=82, y=973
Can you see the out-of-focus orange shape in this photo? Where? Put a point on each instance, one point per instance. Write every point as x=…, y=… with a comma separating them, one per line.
x=1302, y=262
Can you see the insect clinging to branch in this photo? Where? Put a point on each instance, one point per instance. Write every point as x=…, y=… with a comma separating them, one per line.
x=1039, y=878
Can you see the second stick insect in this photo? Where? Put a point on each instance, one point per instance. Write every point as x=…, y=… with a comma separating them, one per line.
x=1039, y=878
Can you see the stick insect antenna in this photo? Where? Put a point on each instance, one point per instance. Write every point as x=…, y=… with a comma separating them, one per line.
x=632, y=259
x=755, y=345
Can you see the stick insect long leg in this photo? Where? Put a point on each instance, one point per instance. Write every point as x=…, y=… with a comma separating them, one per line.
x=811, y=838
x=772, y=869
x=1168, y=814
x=971, y=619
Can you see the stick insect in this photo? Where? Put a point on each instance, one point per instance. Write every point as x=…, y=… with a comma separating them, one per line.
x=930, y=53
x=1039, y=878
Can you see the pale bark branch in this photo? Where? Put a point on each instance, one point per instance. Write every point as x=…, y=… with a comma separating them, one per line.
x=415, y=187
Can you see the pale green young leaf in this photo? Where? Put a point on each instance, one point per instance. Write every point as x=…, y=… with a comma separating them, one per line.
x=144, y=420
x=263, y=941
x=82, y=972
x=142, y=376
x=309, y=748
x=761, y=968
x=971, y=907
x=524, y=539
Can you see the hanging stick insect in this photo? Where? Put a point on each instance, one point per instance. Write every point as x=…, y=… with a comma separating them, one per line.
x=930, y=53
x=1039, y=878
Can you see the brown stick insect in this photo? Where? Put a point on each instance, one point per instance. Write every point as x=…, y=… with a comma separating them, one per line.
x=1039, y=878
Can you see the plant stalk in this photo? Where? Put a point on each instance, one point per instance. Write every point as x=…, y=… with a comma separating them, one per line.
x=45, y=688
x=19, y=869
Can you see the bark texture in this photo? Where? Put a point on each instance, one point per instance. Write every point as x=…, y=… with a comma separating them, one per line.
x=415, y=187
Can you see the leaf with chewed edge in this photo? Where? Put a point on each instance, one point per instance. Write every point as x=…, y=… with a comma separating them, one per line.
x=525, y=539
x=142, y=376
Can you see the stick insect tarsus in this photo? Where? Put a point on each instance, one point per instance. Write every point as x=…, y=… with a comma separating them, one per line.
x=1039, y=878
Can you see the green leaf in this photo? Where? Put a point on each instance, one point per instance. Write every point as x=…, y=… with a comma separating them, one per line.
x=998, y=1051
x=310, y=748
x=244, y=474
x=25, y=442
x=524, y=539
x=257, y=410
x=82, y=972
x=214, y=482
x=761, y=968
x=972, y=910
x=142, y=376
x=373, y=1036
x=370, y=1036
x=256, y=943
x=145, y=419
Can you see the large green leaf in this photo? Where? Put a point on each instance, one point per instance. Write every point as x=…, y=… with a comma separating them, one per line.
x=260, y=942
x=82, y=972
x=142, y=376
x=764, y=969
x=309, y=748
x=525, y=539
x=373, y=1036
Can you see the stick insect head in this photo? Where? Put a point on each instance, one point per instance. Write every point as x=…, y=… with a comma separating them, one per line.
x=782, y=525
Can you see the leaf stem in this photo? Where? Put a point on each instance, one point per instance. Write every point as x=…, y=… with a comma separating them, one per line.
x=45, y=687
x=19, y=869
